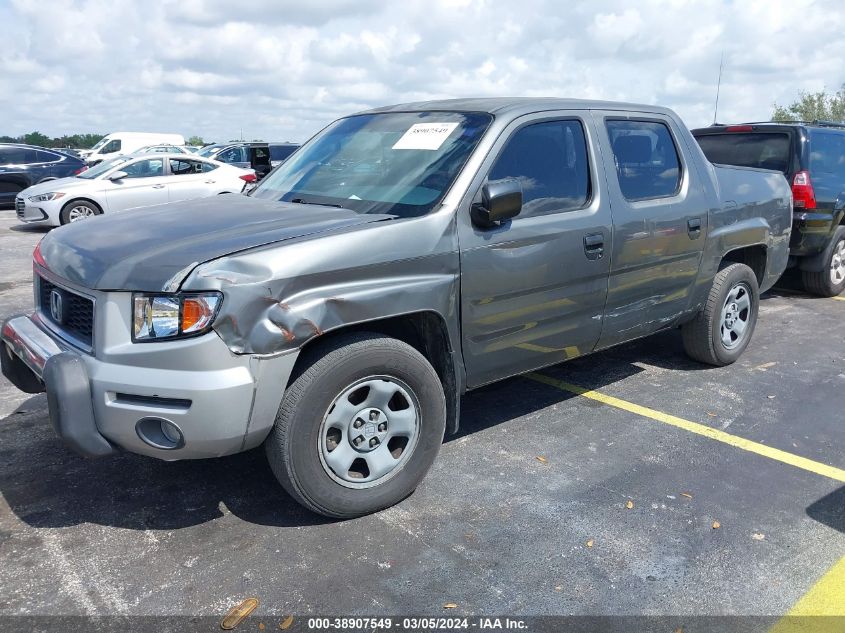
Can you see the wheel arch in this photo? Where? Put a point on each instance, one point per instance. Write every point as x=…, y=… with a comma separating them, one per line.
x=754, y=256
x=83, y=199
x=426, y=331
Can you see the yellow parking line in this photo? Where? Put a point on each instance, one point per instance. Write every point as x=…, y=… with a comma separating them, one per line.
x=825, y=598
x=839, y=298
x=699, y=429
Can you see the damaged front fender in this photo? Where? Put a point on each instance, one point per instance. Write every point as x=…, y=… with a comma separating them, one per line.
x=280, y=297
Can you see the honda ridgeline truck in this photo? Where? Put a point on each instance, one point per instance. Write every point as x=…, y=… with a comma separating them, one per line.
x=401, y=257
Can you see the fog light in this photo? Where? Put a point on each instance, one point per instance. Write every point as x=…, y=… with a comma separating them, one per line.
x=170, y=431
x=160, y=433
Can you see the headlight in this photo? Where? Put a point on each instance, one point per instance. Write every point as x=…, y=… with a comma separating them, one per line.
x=165, y=317
x=46, y=197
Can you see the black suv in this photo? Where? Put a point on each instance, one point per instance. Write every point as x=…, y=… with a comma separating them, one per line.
x=22, y=166
x=812, y=157
x=246, y=155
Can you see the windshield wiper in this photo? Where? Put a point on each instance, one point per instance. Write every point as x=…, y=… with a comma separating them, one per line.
x=321, y=204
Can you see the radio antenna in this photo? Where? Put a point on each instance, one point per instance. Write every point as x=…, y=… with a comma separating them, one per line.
x=718, y=86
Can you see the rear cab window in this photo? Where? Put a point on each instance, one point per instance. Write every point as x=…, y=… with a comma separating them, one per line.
x=646, y=159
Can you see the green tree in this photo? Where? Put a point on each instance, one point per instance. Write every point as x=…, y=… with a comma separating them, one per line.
x=813, y=106
x=196, y=140
x=36, y=138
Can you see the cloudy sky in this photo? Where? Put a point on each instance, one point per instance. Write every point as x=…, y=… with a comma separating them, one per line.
x=280, y=70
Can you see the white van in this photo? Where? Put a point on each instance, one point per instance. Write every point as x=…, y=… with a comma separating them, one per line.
x=118, y=143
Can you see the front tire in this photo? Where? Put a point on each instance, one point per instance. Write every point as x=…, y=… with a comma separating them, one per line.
x=76, y=210
x=830, y=280
x=719, y=334
x=358, y=427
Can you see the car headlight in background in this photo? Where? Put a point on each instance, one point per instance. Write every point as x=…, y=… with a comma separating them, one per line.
x=46, y=197
x=165, y=317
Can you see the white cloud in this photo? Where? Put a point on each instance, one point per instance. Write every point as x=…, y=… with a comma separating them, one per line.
x=282, y=70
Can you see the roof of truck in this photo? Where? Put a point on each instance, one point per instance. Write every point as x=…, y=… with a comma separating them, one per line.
x=517, y=105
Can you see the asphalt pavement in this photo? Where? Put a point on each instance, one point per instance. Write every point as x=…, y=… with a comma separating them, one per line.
x=591, y=488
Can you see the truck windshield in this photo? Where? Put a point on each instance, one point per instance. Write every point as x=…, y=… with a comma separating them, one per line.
x=395, y=163
x=765, y=150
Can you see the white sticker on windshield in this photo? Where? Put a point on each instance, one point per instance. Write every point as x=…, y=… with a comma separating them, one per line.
x=425, y=136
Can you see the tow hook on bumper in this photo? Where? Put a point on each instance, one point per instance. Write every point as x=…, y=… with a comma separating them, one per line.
x=34, y=362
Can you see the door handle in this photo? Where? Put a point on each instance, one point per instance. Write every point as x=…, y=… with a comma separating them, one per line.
x=210, y=182
x=158, y=186
x=594, y=245
x=694, y=228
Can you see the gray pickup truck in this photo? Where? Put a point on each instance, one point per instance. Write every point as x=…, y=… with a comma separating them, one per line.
x=401, y=257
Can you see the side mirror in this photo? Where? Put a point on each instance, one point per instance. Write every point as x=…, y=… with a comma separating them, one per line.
x=117, y=175
x=500, y=200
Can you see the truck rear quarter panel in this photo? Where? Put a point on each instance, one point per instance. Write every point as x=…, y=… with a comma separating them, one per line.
x=752, y=207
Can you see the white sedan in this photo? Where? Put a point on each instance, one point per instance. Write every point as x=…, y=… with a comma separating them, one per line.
x=127, y=182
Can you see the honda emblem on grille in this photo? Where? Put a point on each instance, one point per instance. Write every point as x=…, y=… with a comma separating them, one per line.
x=56, y=306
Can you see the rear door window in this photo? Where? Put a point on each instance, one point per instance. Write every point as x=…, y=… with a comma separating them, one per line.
x=827, y=153
x=184, y=166
x=764, y=150
x=827, y=165
x=550, y=161
x=46, y=157
x=646, y=158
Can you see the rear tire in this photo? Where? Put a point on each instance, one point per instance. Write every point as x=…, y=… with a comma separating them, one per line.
x=76, y=210
x=719, y=334
x=830, y=280
x=358, y=427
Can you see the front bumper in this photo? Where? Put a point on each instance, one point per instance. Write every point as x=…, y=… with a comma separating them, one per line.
x=32, y=213
x=221, y=403
x=34, y=362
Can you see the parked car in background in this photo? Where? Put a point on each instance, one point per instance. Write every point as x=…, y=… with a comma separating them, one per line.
x=254, y=155
x=812, y=157
x=164, y=149
x=22, y=166
x=401, y=257
x=120, y=143
x=280, y=152
x=70, y=151
x=125, y=182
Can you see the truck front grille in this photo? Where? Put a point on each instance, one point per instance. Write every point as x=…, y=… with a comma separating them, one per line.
x=19, y=207
x=71, y=313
